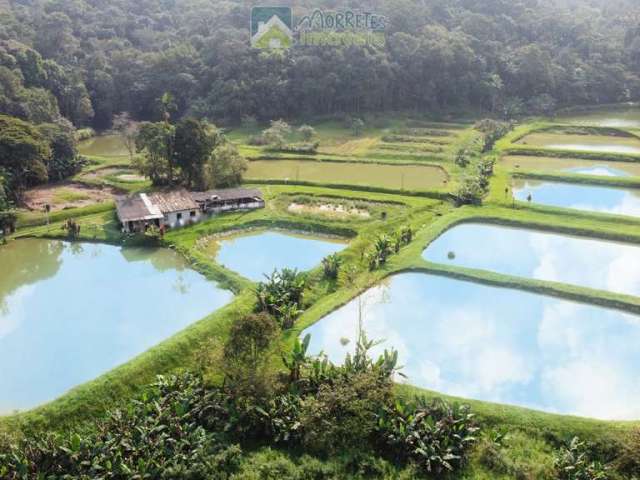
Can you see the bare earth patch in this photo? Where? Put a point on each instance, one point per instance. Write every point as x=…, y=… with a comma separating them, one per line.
x=329, y=209
x=66, y=195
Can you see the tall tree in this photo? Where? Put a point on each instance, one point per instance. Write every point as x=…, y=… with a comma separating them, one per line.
x=24, y=153
x=226, y=166
x=193, y=144
x=155, y=142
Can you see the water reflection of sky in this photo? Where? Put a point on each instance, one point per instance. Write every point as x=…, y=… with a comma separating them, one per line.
x=500, y=345
x=618, y=201
x=599, y=170
x=587, y=147
x=581, y=261
x=258, y=254
x=97, y=308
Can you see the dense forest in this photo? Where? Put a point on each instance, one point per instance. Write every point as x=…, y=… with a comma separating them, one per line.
x=89, y=59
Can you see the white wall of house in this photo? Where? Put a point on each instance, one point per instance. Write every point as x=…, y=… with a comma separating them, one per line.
x=236, y=206
x=182, y=218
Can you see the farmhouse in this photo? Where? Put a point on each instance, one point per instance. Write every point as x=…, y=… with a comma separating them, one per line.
x=176, y=208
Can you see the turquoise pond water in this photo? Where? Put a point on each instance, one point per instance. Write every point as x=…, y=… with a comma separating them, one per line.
x=600, y=170
x=494, y=344
x=619, y=201
x=257, y=254
x=529, y=253
x=70, y=312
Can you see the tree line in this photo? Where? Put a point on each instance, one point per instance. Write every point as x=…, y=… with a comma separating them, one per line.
x=87, y=61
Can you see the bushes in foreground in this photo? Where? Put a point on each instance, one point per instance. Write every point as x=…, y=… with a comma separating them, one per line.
x=172, y=431
x=180, y=428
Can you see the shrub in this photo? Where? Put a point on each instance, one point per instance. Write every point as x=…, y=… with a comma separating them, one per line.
x=342, y=414
x=573, y=463
x=307, y=132
x=357, y=126
x=303, y=148
x=281, y=295
x=470, y=192
x=436, y=436
x=628, y=461
x=72, y=227
x=493, y=130
x=406, y=235
x=462, y=158
x=250, y=337
x=275, y=135
x=257, y=140
x=331, y=266
x=84, y=134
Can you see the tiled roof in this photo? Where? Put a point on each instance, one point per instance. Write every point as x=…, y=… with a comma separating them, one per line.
x=134, y=208
x=173, y=201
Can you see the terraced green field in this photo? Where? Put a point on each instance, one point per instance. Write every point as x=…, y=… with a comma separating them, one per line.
x=396, y=177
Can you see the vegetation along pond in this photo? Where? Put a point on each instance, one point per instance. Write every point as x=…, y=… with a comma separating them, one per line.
x=72, y=311
x=519, y=348
x=521, y=252
x=619, y=201
x=408, y=177
x=255, y=255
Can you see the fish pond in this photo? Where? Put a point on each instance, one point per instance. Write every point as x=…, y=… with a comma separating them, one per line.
x=72, y=311
x=399, y=177
x=625, y=117
x=257, y=254
x=572, y=165
x=499, y=345
x=587, y=143
x=594, y=198
x=103, y=145
x=586, y=262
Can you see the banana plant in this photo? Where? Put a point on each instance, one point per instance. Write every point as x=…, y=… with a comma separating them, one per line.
x=297, y=359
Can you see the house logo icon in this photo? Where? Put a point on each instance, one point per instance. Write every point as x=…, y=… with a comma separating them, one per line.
x=271, y=27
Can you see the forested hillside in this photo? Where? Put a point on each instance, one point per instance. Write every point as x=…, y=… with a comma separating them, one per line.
x=88, y=59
